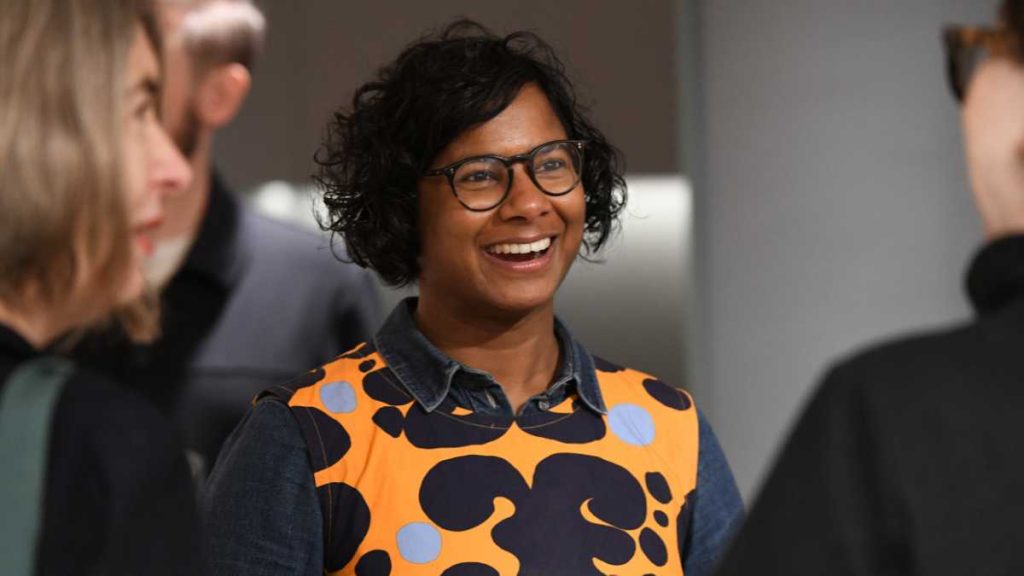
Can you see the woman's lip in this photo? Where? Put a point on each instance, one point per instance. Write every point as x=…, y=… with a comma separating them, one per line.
x=524, y=266
x=149, y=225
x=144, y=232
x=145, y=243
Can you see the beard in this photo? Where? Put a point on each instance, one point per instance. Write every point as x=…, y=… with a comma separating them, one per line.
x=166, y=259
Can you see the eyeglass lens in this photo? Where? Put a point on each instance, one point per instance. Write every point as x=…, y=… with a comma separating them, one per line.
x=483, y=182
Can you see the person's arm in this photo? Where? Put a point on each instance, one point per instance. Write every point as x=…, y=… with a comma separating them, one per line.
x=717, y=509
x=825, y=508
x=260, y=506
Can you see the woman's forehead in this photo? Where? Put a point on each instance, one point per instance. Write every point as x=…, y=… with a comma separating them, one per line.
x=527, y=122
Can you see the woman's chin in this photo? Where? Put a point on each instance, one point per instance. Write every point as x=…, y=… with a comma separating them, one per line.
x=133, y=288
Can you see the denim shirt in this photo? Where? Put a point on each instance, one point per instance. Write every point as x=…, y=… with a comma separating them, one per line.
x=431, y=377
x=261, y=506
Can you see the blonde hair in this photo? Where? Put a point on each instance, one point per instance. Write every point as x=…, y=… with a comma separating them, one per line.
x=64, y=224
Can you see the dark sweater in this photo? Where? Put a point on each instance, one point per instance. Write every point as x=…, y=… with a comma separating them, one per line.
x=908, y=459
x=118, y=496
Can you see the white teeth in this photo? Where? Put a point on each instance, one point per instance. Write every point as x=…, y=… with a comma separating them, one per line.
x=538, y=246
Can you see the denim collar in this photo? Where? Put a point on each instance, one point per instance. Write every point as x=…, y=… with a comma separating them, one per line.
x=427, y=373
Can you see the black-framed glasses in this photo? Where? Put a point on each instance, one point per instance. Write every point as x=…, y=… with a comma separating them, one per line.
x=966, y=48
x=481, y=183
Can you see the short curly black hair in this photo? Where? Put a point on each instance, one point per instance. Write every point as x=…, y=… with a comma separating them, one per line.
x=439, y=87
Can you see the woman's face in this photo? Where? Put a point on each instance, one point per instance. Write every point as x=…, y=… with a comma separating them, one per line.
x=464, y=257
x=153, y=166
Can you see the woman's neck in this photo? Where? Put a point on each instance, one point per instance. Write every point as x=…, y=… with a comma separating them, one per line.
x=519, y=349
x=38, y=328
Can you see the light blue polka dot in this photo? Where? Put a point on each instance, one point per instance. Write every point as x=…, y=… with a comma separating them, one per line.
x=419, y=542
x=632, y=424
x=338, y=397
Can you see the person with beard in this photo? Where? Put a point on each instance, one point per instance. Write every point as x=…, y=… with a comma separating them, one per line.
x=247, y=301
x=907, y=460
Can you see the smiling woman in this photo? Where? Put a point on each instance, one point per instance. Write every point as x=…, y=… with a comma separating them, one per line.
x=475, y=435
x=92, y=479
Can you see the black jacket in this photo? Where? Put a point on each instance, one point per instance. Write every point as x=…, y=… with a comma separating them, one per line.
x=118, y=497
x=909, y=457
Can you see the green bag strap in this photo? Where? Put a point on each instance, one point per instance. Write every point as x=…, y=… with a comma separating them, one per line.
x=26, y=409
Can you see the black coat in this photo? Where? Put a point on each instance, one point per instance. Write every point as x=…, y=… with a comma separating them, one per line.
x=118, y=497
x=908, y=458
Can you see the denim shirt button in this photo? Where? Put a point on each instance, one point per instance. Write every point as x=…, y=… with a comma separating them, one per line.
x=544, y=405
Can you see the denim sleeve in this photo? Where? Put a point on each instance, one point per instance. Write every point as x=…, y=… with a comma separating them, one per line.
x=260, y=506
x=717, y=507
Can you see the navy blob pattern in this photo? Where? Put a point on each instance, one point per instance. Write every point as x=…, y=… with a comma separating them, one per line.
x=374, y=563
x=667, y=395
x=606, y=366
x=547, y=514
x=343, y=538
x=658, y=487
x=470, y=569
x=339, y=442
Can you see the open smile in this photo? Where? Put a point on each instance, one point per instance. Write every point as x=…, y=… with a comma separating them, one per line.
x=522, y=256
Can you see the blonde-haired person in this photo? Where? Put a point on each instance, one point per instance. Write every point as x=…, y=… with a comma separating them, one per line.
x=92, y=481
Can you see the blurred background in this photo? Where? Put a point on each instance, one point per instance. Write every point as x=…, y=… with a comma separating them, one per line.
x=797, y=186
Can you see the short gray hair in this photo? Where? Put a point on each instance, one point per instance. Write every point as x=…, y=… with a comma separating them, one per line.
x=219, y=32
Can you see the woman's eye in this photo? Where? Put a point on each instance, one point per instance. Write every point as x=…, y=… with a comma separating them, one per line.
x=143, y=109
x=551, y=165
x=478, y=177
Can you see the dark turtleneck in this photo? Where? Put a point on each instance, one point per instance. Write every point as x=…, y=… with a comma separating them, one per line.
x=995, y=277
x=908, y=458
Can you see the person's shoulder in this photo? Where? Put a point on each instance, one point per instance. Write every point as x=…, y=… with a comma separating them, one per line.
x=344, y=369
x=114, y=415
x=92, y=391
x=116, y=432
x=918, y=353
x=636, y=381
x=929, y=368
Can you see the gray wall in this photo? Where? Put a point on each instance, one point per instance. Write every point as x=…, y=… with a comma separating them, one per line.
x=831, y=205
